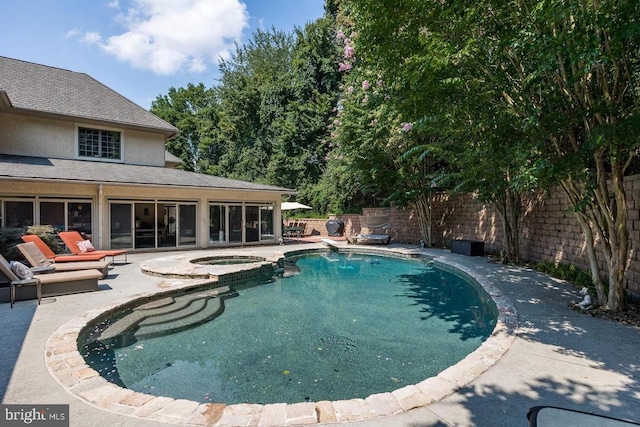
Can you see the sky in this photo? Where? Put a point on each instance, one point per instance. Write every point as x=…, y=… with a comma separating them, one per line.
x=141, y=48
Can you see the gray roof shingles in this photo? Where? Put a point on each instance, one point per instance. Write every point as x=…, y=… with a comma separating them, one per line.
x=77, y=95
x=83, y=171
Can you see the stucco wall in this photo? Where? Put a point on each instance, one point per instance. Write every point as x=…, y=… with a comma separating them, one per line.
x=36, y=136
x=32, y=136
x=142, y=148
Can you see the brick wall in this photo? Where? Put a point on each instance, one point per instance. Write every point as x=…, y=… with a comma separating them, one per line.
x=548, y=230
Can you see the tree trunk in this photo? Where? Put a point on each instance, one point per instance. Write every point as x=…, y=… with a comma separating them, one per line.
x=593, y=259
x=422, y=205
x=605, y=214
x=617, y=253
x=509, y=207
x=513, y=210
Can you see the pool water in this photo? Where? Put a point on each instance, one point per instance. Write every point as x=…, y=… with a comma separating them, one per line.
x=346, y=326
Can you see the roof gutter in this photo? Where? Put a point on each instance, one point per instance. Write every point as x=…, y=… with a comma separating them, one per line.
x=131, y=184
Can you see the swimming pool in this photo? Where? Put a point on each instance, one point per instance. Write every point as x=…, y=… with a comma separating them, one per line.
x=346, y=326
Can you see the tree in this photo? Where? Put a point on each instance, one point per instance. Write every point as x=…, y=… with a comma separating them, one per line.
x=253, y=92
x=573, y=72
x=299, y=156
x=277, y=93
x=454, y=123
x=194, y=111
x=371, y=134
x=266, y=120
x=563, y=74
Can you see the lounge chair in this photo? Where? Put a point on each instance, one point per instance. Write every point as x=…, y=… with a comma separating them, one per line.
x=49, y=254
x=378, y=227
x=51, y=284
x=71, y=239
x=39, y=262
x=16, y=282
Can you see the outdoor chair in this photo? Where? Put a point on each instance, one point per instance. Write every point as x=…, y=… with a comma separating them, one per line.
x=16, y=282
x=379, y=230
x=52, y=284
x=73, y=241
x=40, y=263
x=49, y=254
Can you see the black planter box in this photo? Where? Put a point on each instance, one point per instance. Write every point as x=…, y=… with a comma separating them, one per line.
x=467, y=247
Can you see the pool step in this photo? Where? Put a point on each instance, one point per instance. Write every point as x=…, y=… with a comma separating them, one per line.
x=167, y=314
x=198, y=312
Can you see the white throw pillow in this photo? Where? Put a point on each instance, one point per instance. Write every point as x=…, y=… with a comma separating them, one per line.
x=85, y=246
x=22, y=271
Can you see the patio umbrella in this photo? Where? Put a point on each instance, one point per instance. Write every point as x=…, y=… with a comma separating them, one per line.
x=287, y=206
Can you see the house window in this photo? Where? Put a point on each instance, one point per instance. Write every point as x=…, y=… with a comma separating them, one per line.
x=99, y=144
x=66, y=215
x=18, y=214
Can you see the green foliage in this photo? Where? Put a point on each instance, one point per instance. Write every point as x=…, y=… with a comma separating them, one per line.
x=567, y=272
x=338, y=191
x=10, y=237
x=530, y=93
x=49, y=236
x=266, y=119
x=195, y=111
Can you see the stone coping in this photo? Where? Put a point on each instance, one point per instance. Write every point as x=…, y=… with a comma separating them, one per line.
x=68, y=367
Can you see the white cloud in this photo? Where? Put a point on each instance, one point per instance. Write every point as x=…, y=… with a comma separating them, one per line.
x=91, y=37
x=72, y=33
x=167, y=36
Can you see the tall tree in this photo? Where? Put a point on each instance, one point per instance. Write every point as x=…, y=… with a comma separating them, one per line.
x=572, y=69
x=253, y=92
x=268, y=114
x=299, y=154
x=194, y=110
x=452, y=115
x=564, y=73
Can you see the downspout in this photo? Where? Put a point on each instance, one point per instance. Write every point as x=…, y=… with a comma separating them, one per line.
x=101, y=217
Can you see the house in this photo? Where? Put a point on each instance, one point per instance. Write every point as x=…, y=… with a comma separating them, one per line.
x=79, y=156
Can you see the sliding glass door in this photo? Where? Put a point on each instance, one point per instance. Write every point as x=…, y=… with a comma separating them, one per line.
x=121, y=226
x=240, y=223
x=187, y=225
x=217, y=224
x=152, y=224
x=235, y=224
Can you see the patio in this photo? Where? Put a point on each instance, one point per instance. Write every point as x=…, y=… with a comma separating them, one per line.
x=559, y=357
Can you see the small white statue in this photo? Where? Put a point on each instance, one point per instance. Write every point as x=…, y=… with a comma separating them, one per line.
x=585, y=304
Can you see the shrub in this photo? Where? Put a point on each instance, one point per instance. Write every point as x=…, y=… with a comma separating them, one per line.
x=48, y=235
x=9, y=238
x=567, y=272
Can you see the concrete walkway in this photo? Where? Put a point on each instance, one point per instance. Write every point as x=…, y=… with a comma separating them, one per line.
x=559, y=357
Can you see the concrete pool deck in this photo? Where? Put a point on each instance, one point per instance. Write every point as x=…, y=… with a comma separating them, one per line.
x=555, y=356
